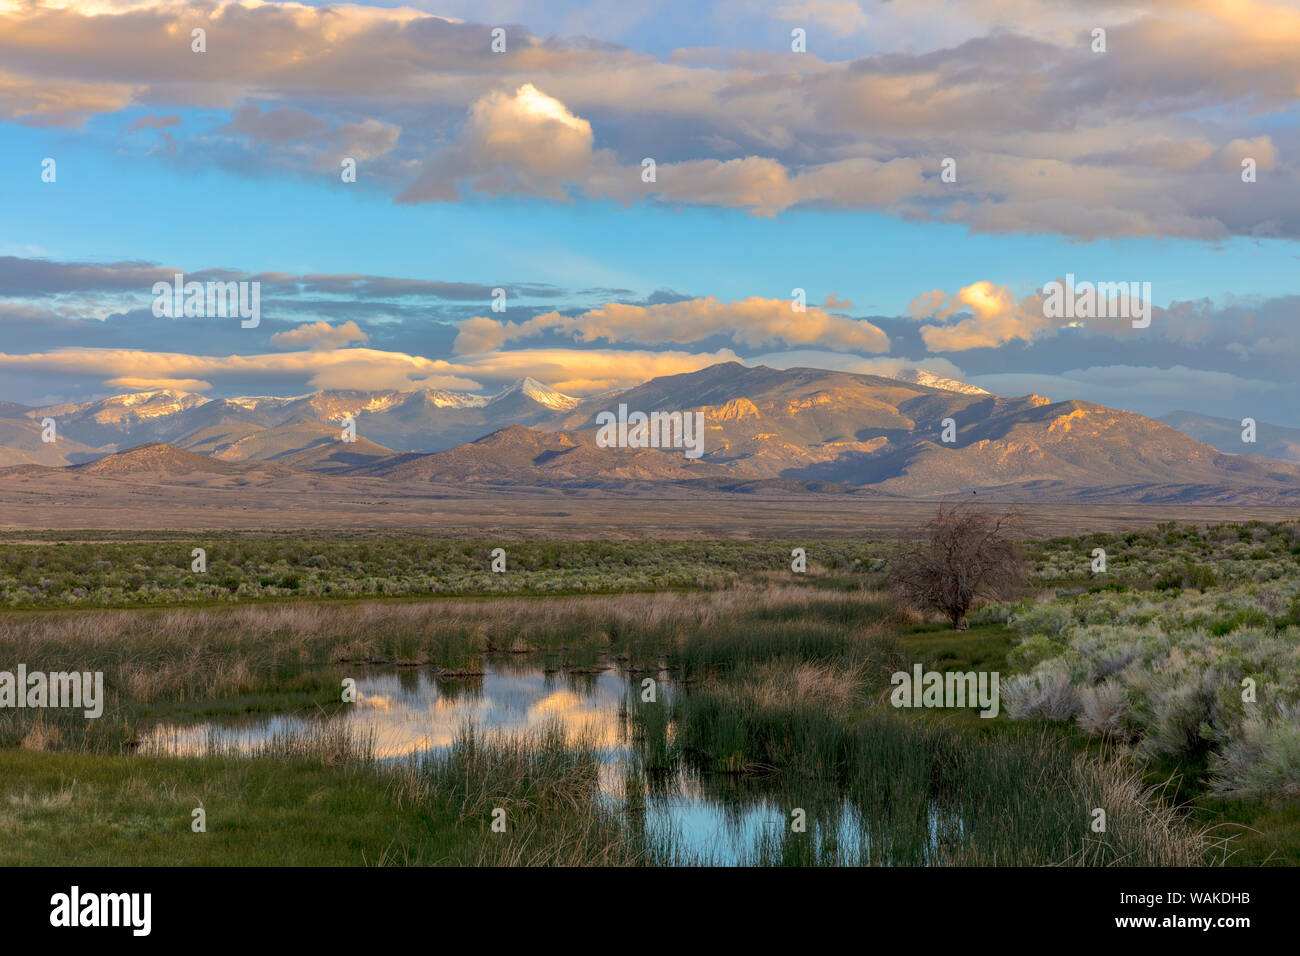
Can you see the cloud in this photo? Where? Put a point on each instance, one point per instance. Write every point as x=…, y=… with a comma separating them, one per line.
x=525, y=142
x=1158, y=389
x=529, y=130
x=479, y=334
x=766, y=187
x=132, y=384
x=338, y=368
x=753, y=321
x=988, y=315
x=842, y=16
x=888, y=367
x=1048, y=136
x=58, y=102
x=570, y=370
x=591, y=371
x=319, y=335
x=21, y=277
x=1258, y=148
x=275, y=126
x=996, y=317
x=301, y=139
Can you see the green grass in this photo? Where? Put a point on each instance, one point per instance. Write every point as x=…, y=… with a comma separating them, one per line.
x=1261, y=834
x=78, y=809
x=982, y=648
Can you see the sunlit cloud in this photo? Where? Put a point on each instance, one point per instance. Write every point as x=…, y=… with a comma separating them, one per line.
x=570, y=370
x=1041, y=127
x=320, y=335
x=751, y=322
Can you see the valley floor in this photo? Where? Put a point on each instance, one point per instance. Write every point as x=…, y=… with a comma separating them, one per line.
x=37, y=501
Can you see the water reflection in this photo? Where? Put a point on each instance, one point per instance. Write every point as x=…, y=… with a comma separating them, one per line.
x=713, y=818
x=409, y=711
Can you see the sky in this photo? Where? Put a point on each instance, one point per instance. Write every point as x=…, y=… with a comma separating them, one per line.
x=922, y=171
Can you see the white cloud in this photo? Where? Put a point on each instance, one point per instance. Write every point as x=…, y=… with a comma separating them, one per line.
x=523, y=142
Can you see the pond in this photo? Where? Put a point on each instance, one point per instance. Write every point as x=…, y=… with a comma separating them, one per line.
x=710, y=818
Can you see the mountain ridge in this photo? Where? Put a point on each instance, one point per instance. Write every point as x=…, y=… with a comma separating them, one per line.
x=797, y=430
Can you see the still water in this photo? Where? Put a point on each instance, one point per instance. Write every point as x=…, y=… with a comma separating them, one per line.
x=712, y=818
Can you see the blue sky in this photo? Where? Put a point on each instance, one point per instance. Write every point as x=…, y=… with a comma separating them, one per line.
x=777, y=170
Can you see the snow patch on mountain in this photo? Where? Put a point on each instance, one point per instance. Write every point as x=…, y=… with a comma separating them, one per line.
x=442, y=398
x=918, y=376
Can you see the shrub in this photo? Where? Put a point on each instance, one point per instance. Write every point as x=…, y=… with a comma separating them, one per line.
x=1045, y=693
x=1103, y=708
x=964, y=555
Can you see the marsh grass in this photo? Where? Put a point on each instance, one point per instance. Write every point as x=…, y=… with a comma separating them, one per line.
x=784, y=713
x=259, y=658
x=546, y=782
x=924, y=793
x=914, y=791
x=329, y=743
x=776, y=682
x=646, y=726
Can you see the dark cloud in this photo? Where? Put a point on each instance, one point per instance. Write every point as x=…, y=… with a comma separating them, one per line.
x=43, y=277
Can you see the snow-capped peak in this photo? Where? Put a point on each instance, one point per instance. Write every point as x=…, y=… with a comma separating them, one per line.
x=542, y=394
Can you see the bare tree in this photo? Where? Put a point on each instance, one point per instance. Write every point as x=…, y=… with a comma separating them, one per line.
x=964, y=554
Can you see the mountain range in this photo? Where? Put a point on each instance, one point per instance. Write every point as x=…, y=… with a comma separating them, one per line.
x=791, y=431
x=1225, y=434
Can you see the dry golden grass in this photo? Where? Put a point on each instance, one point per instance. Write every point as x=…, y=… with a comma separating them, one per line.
x=1141, y=828
x=41, y=736
x=219, y=652
x=780, y=685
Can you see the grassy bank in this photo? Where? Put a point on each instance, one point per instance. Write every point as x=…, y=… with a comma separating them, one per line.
x=312, y=805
